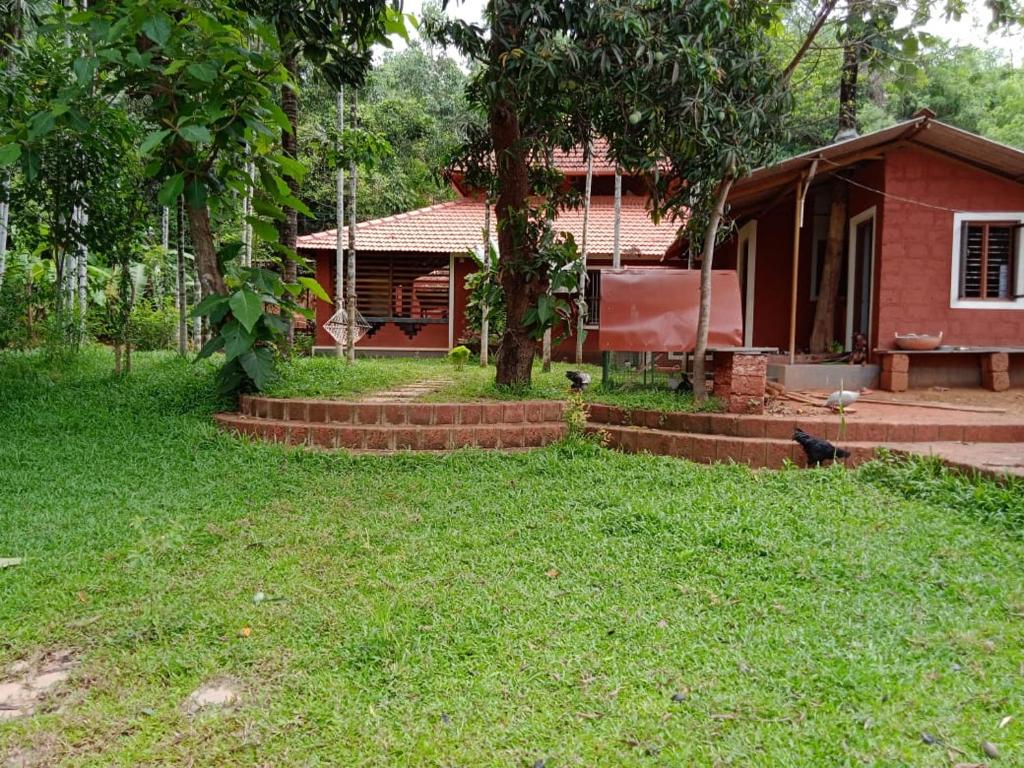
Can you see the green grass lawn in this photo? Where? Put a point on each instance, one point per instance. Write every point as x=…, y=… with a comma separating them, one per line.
x=479, y=609
x=332, y=378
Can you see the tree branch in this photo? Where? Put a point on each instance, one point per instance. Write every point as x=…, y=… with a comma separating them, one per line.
x=812, y=33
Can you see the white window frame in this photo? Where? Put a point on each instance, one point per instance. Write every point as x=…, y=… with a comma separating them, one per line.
x=748, y=234
x=955, y=302
x=851, y=271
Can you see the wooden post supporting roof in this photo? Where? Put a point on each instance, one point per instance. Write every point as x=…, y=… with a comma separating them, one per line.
x=802, y=185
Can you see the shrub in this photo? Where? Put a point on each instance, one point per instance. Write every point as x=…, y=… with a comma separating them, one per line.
x=154, y=326
x=458, y=357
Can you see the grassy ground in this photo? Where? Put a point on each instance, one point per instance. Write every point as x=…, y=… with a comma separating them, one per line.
x=332, y=378
x=482, y=609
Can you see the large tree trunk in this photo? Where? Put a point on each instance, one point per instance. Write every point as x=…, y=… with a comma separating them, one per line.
x=210, y=278
x=289, y=227
x=700, y=391
x=515, y=355
x=828, y=288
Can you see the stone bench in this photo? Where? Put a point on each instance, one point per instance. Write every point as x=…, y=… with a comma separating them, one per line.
x=993, y=361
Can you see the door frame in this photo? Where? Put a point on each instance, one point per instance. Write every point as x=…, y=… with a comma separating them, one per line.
x=868, y=214
x=748, y=234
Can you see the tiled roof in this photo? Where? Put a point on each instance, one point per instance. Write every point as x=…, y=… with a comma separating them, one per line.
x=573, y=162
x=457, y=227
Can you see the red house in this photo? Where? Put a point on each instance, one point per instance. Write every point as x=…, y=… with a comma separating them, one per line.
x=933, y=243
x=412, y=267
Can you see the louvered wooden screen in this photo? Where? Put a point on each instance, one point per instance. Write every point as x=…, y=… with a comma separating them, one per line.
x=988, y=260
x=403, y=286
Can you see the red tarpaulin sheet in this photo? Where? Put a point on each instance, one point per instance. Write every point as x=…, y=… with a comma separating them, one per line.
x=655, y=310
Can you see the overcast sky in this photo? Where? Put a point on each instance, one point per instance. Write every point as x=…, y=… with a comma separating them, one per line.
x=970, y=30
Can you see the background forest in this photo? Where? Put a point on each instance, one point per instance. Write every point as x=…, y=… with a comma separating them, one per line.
x=405, y=120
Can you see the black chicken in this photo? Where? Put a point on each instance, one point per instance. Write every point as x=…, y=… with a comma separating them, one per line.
x=818, y=450
x=579, y=380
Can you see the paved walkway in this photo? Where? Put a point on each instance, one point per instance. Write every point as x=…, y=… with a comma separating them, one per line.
x=988, y=458
x=406, y=392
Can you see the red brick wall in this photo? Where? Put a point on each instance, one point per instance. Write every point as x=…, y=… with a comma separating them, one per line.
x=916, y=250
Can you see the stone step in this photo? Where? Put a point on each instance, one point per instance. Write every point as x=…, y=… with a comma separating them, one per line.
x=392, y=437
x=938, y=428
x=755, y=452
x=398, y=414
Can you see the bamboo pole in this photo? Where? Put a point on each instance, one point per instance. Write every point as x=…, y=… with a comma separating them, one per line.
x=351, y=287
x=339, y=244
x=802, y=186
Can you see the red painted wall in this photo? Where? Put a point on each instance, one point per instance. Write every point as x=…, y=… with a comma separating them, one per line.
x=916, y=250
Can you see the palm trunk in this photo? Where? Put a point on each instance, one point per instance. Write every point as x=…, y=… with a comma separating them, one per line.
x=823, y=329
x=581, y=304
x=179, y=293
x=700, y=391
x=289, y=228
x=351, y=298
x=83, y=277
x=339, y=245
x=545, y=355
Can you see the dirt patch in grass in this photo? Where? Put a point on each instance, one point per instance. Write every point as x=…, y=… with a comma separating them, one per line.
x=214, y=695
x=27, y=685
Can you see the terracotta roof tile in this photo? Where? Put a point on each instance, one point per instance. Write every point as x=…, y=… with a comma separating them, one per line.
x=457, y=227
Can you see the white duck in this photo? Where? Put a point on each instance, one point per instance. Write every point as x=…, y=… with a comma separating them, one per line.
x=842, y=398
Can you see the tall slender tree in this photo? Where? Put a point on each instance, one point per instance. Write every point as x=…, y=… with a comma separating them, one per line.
x=339, y=244
x=350, y=299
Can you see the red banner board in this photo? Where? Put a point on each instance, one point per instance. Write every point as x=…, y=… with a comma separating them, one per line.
x=655, y=310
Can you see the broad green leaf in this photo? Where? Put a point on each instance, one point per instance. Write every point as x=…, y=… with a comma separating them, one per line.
x=195, y=134
x=202, y=70
x=209, y=304
x=174, y=67
x=9, y=153
x=266, y=208
x=84, y=70
x=157, y=29
x=315, y=288
x=263, y=229
x=171, y=190
x=151, y=141
x=291, y=168
x=237, y=340
x=298, y=205
x=246, y=307
x=214, y=344
x=259, y=364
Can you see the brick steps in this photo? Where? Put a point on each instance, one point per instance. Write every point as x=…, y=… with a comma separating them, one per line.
x=398, y=414
x=392, y=437
x=755, y=452
x=940, y=429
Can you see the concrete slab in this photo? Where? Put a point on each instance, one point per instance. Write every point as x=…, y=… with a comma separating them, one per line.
x=802, y=376
x=987, y=458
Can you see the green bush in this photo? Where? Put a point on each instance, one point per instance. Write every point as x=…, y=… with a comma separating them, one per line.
x=14, y=303
x=458, y=357
x=154, y=326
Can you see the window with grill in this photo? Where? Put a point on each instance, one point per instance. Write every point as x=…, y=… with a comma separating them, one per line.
x=593, y=297
x=988, y=255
